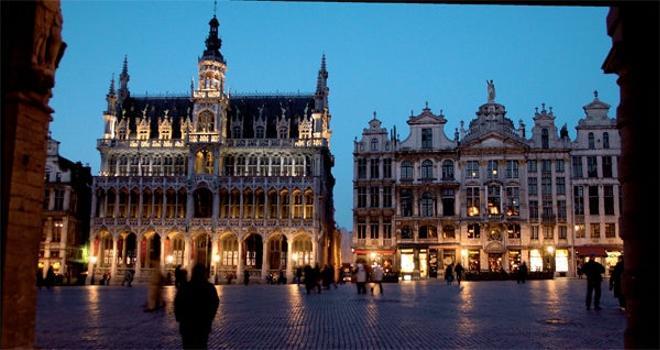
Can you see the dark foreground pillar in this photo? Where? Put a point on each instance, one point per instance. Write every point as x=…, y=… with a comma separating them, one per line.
x=634, y=57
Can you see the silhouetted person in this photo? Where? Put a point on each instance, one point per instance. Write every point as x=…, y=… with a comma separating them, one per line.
x=281, y=279
x=449, y=274
x=180, y=276
x=522, y=273
x=246, y=277
x=377, y=278
x=579, y=271
x=154, y=293
x=195, y=305
x=458, y=269
x=616, y=280
x=309, y=278
x=299, y=274
x=361, y=278
x=50, y=277
x=317, y=277
x=128, y=278
x=593, y=271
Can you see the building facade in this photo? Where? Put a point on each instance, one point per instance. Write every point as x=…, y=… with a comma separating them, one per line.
x=65, y=216
x=489, y=197
x=235, y=182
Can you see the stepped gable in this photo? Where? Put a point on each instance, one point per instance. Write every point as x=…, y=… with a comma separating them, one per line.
x=247, y=109
x=177, y=106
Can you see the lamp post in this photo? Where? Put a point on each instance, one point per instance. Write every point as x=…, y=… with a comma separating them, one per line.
x=92, y=259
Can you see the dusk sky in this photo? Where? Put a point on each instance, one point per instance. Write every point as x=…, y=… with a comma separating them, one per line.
x=388, y=58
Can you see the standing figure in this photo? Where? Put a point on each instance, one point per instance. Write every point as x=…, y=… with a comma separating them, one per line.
x=128, y=278
x=40, y=277
x=361, y=278
x=449, y=274
x=377, y=279
x=299, y=274
x=154, y=296
x=246, y=277
x=579, y=270
x=317, y=277
x=593, y=271
x=616, y=280
x=309, y=278
x=195, y=306
x=458, y=269
x=522, y=273
x=282, y=278
x=50, y=277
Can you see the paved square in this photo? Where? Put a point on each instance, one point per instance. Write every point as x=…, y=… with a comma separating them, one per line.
x=422, y=315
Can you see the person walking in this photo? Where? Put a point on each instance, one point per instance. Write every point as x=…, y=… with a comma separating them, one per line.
x=155, y=295
x=521, y=276
x=195, y=305
x=593, y=271
x=377, y=277
x=128, y=278
x=616, y=280
x=361, y=278
x=458, y=270
x=579, y=270
x=309, y=278
x=317, y=277
x=449, y=274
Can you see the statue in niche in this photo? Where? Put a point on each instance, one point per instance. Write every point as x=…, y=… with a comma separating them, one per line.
x=491, y=90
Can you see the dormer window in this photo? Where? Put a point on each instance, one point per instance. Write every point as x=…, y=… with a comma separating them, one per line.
x=282, y=133
x=236, y=132
x=544, y=139
x=144, y=134
x=592, y=144
x=374, y=144
x=427, y=138
x=260, y=132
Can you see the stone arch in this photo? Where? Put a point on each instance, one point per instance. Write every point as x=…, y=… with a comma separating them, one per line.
x=201, y=249
x=277, y=252
x=252, y=253
x=228, y=251
x=259, y=203
x=150, y=249
x=302, y=250
x=175, y=243
x=297, y=203
x=127, y=247
x=309, y=203
x=203, y=202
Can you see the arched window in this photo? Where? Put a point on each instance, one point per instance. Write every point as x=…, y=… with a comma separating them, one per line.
x=427, y=169
x=283, y=133
x=447, y=170
x=448, y=232
x=235, y=202
x=203, y=200
x=272, y=204
x=147, y=203
x=170, y=211
x=592, y=143
x=606, y=140
x=427, y=204
x=229, y=249
x=253, y=251
x=252, y=166
x=260, y=198
x=277, y=253
x=248, y=204
x=545, y=139
x=181, y=198
x=297, y=204
x=374, y=144
x=205, y=122
x=284, y=204
x=309, y=204
x=406, y=170
x=240, y=166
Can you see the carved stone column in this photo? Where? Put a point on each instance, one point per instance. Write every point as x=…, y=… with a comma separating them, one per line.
x=289, y=260
x=113, y=265
x=239, y=267
x=30, y=55
x=265, y=265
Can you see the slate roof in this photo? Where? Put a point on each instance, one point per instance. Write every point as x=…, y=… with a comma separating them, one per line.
x=245, y=108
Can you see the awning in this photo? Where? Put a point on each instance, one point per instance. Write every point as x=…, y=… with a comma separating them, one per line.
x=377, y=251
x=597, y=250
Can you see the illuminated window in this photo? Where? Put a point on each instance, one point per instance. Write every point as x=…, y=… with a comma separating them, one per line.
x=473, y=231
x=594, y=230
x=472, y=201
x=579, y=231
x=492, y=169
x=472, y=170
x=610, y=230
x=494, y=200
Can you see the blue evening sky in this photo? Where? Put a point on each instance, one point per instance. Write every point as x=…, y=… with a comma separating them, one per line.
x=388, y=58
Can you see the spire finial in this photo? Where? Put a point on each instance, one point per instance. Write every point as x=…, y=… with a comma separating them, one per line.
x=550, y=109
x=426, y=104
x=112, y=85
x=374, y=118
x=595, y=94
x=323, y=61
x=215, y=6
x=543, y=107
x=124, y=69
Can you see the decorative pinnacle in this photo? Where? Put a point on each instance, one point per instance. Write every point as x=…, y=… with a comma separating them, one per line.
x=215, y=7
x=374, y=116
x=124, y=69
x=112, y=85
x=543, y=107
x=550, y=109
x=426, y=104
x=595, y=94
x=536, y=109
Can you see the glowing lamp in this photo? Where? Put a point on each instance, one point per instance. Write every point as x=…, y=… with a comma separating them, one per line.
x=93, y=259
x=464, y=252
x=169, y=259
x=373, y=255
x=550, y=249
x=216, y=258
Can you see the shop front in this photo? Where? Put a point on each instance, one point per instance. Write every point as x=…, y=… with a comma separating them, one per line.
x=562, y=257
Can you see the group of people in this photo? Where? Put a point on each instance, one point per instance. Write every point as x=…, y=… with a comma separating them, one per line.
x=362, y=274
x=594, y=271
x=315, y=277
x=450, y=270
x=47, y=282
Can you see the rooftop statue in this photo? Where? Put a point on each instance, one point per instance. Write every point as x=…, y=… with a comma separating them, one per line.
x=491, y=91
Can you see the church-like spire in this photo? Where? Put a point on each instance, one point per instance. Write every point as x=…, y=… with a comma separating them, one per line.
x=111, y=98
x=322, y=90
x=111, y=90
x=213, y=41
x=123, y=81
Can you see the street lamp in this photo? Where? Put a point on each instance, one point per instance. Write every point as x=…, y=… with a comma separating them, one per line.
x=93, y=259
x=169, y=259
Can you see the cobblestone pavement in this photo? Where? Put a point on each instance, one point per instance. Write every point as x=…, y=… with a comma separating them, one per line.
x=420, y=315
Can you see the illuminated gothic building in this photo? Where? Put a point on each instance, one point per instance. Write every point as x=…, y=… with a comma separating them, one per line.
x=236, y=182
x=490, y=196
